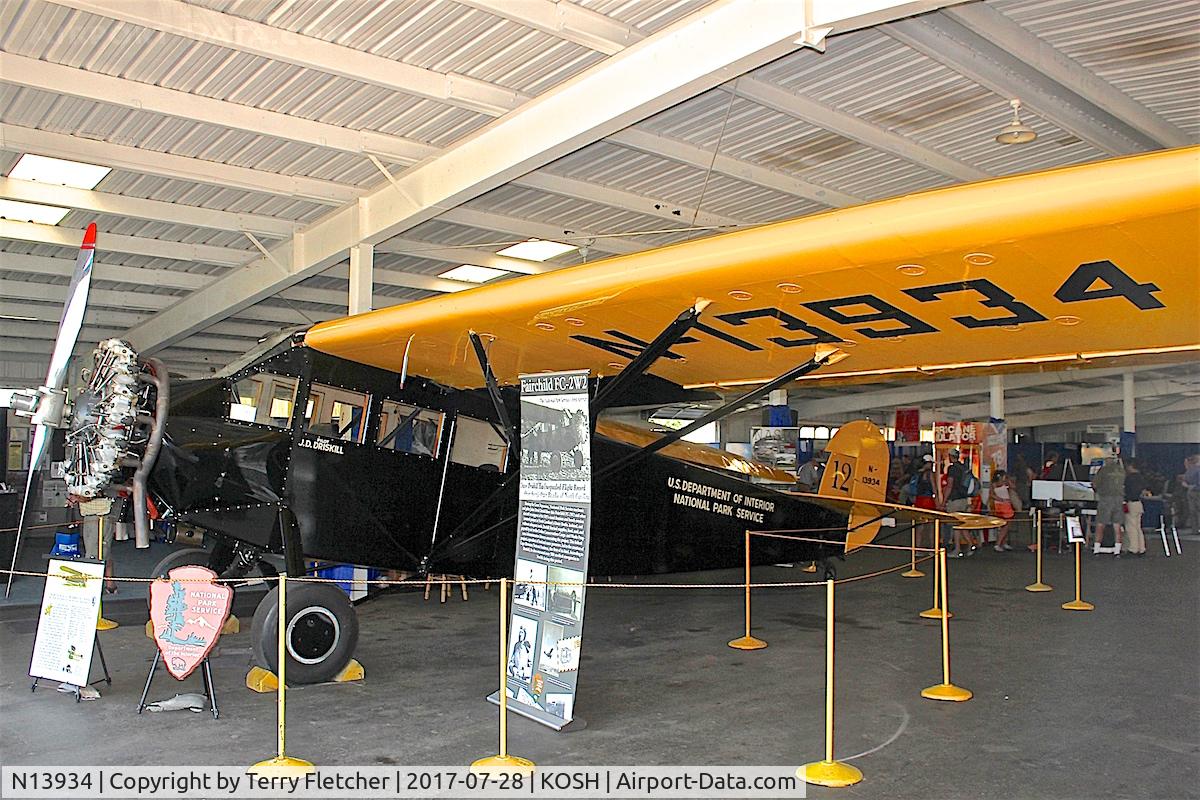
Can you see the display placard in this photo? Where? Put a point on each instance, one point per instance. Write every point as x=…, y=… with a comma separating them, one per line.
x=1075, y=530
x=553, y=527
x=66, y=631
x=187, y=611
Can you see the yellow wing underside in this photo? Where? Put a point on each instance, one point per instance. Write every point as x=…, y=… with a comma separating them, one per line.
x=1098, y=261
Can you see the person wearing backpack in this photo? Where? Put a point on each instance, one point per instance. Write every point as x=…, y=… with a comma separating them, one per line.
x=961, y=482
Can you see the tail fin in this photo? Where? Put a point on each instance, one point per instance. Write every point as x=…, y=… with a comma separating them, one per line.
x=857, y=468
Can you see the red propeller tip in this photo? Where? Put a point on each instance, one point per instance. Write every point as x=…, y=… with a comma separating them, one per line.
x=89, y=236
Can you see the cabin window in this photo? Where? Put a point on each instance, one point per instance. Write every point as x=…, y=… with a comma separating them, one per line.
x=410, y=429
x=264, y=399
x=478, y=444
x=336, y=413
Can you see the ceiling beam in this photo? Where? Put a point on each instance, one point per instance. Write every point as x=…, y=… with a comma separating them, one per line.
x=521, y=227
x=58, y=79
x=692, y=155
x=138, y=208
x=47, y=313
x=1072, y=398
x=948, y=42
x=463, y=255
x=987, y=22
x=38, y=352
x=131, y=245
x=1183, y=407
x=31, y=140
x=567, y=21
x=695, y=54
x=247, y=36
x=40, y=331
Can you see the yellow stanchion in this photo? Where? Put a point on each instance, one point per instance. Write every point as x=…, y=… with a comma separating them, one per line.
x=945, y=690
x=282, y=764
x=1078, y=604
x=503, y=762
x=912, y=571
x=102, y=624
x=829, y=772
x=747, y=642
x=1037, y=585
x=935, y=611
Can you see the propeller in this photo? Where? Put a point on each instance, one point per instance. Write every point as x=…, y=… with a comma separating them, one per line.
x=50, y=399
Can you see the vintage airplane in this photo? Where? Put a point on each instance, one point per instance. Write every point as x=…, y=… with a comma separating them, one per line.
x=385, y=439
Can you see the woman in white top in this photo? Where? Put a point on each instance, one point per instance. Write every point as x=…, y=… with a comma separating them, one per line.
x=1002, y=506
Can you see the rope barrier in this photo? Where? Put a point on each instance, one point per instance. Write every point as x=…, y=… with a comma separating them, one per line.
x=75, y=524
x=831, y=541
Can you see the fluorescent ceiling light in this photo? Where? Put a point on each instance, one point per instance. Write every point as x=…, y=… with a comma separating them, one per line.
x=57, y=170
x=536, y=249
x=31, y=212
x=472, y=273
x=21, y=319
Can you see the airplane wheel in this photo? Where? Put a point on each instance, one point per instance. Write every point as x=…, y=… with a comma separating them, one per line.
x=322, y=632
x=186, y=557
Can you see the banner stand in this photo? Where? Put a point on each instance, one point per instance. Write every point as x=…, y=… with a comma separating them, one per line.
x=210, y=693
x=1078, y=604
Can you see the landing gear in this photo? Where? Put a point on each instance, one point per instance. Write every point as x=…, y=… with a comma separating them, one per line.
x=185, y=557
x=321, y=633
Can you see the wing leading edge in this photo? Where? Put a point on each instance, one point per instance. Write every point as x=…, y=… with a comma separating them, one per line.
x=1092, y=261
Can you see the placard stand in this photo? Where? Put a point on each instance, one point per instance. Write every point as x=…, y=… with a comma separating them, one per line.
x=76, y=690
x=210, y=693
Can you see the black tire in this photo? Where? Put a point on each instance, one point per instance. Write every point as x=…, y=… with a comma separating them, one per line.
x=323, y=632
x=184, y=557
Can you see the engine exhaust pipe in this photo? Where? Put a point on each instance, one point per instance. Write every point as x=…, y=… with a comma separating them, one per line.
x=157, y=375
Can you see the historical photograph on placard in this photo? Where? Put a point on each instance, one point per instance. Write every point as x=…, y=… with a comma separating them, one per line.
x=548, y=647
x=560, y=705
x=529, y=585
x=521, y=637
x=565, y=600
x=555, y=439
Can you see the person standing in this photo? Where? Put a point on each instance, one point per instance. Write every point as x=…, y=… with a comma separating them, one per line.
x=807, y=476
x=1191, y=483
x=958, y=500
x=1136, y=487
x=1001, y=499
x=1109, y=485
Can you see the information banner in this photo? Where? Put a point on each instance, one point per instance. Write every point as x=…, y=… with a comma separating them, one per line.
x=908, y=426
x=553, y=527
x=66, y=631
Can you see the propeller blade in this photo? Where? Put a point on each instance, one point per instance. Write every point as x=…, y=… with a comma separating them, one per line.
x=73, y=311
x=41, y=438
x=69, y=325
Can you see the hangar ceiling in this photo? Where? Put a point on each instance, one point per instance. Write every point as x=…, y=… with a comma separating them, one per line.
x=254, y=143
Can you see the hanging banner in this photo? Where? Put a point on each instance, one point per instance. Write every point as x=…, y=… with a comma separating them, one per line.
x=66, y=631
x=188, y=611
x=553, y=528
x=908, y=426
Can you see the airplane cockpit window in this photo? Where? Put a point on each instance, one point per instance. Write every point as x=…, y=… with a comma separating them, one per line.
x=409, y=429
x=264, y=399
x=336, y=413
x=478, y=444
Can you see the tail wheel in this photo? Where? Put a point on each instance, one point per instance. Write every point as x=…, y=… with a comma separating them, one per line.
x=320, y=636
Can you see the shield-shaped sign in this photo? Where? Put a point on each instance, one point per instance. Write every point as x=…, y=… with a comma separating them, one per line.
x=188, y=610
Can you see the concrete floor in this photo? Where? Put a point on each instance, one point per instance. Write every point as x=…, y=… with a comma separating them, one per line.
x=1067, y=704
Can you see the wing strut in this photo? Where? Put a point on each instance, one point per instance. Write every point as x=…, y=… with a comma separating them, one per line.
x=493, y=388
x=824, y=356
x=645, y=359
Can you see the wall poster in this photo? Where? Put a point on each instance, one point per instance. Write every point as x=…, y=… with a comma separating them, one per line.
x=66, y=631
x=553, y=527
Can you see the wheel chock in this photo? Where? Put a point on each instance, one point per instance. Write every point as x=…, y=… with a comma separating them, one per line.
x=104, y=624
x=353, y=671
x=232, y=625
x=261, y=680
x=149, y=629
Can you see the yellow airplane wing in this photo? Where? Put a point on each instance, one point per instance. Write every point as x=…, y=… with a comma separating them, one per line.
x=1098, y=261
x=880, y=509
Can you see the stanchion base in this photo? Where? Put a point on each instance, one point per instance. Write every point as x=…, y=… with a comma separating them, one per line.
x=1078, y=605
x=947, y=691
x=510, y=764
x=1039, y=587
x=936, y=613
x=912, y=573
x=282, y=767
x=103, y=624
x=747, y=643
x=810, y=568
x=829, y=773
